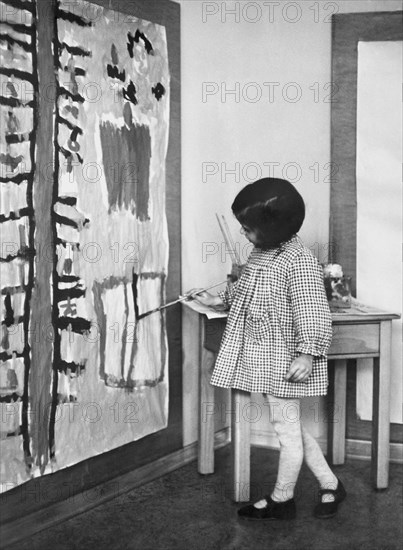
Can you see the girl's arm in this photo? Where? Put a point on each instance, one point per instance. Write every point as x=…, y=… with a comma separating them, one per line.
x=228, y=294
x=311, y=314
x=204, y=298
x=300, y=368
x=223, y=298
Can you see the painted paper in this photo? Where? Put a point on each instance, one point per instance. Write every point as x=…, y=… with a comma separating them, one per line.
x=108, y=231
x=18, y=114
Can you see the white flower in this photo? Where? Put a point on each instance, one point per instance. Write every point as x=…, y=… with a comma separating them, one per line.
x=333, y=270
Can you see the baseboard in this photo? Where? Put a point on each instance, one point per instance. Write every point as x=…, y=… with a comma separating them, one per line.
x=30, y=524
x=362, y=450
x=356, y=449
x=260, y=438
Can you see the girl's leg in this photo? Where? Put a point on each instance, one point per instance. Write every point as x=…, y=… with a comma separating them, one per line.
x=316, y=462
x=332, y=491
x=285, y=418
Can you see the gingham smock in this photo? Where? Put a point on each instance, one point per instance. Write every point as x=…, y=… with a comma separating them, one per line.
x=278, y=310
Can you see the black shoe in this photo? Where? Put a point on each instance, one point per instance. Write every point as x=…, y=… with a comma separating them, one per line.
x=326, y=510
x=272, y=510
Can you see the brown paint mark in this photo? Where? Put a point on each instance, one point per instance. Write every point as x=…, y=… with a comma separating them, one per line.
x=126, y=153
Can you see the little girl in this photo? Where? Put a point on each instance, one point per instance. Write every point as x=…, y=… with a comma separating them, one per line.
x=276, y=339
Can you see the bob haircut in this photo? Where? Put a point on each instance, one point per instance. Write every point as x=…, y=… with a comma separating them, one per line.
x=272, y=208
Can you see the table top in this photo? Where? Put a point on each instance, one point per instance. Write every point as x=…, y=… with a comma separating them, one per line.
x=357, y=313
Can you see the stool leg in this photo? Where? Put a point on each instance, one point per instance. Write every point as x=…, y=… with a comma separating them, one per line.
x=240, y=436
x=206, y=414
x=381, y=410
x=337, y=412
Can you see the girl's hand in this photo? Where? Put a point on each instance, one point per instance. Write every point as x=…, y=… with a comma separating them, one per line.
x=300, y=369
x=204, y=297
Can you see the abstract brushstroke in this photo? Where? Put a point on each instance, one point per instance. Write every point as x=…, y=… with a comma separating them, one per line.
x=18, y=115
x=158, y=91
x=130, y=148
x=131, y=343
x=67, y=223
x=71, y=16
x=129, y=93
x=113, y=70
x=136, y=39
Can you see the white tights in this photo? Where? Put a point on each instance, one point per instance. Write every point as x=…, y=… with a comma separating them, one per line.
x=296, y=444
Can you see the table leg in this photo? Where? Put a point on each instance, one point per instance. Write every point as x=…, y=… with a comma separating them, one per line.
x=240, y=437
x=337, y=412
x=381, y=409
x=207, y=411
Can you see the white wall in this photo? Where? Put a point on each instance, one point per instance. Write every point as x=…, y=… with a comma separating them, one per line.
x=221, y=51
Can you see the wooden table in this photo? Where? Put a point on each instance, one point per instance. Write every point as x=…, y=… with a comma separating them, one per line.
x=358, y=333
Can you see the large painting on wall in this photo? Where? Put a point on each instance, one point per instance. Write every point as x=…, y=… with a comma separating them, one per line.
x=87, y=373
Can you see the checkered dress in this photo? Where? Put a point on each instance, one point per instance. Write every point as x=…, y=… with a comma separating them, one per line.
x=278, y=310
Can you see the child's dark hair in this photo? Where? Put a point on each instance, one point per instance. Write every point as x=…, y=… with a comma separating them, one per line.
x=272, y=208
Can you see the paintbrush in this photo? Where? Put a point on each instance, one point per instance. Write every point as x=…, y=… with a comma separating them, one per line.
x=227, y=241
x=181, y=299
x=231, y=240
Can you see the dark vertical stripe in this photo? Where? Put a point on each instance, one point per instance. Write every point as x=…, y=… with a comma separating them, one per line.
x=163, y=329
x=133, y=352
x=23, y=244
x=42, y=317
x=101, y=317
x=9, y=312
x=55, y=278
x=135, y=295
x=124, y=336
x=26, y=439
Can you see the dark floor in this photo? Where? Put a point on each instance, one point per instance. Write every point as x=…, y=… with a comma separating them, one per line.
x=186, y=511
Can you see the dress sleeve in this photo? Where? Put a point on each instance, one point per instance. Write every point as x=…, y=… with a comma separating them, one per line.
x=310, y=308
x=228, y=294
